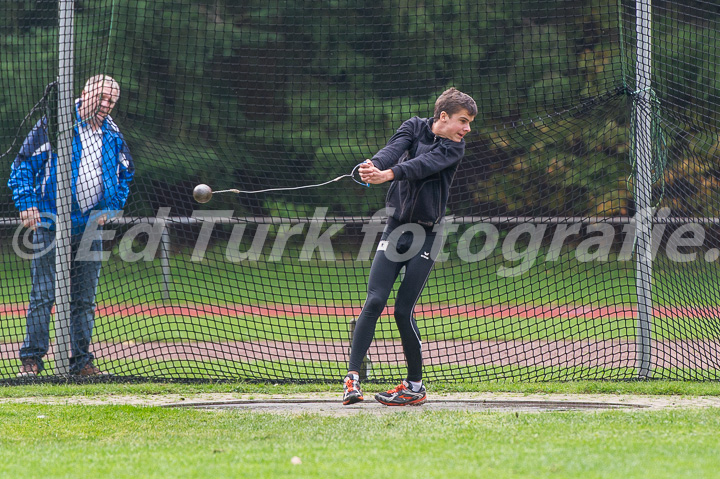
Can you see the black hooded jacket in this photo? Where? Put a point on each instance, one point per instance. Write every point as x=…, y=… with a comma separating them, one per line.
x=424, y=166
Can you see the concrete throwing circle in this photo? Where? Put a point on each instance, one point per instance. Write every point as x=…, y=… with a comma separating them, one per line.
x=335, y=407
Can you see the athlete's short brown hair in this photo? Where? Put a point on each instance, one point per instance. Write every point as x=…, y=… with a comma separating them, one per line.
x=452, y=100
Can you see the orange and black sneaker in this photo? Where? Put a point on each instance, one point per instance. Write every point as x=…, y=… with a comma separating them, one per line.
x=351, y=391
x=402, y=395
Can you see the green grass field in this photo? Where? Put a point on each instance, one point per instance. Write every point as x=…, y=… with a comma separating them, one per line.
x=68, y=441
x=606, y=287
x=564, y=280
x=214, y=281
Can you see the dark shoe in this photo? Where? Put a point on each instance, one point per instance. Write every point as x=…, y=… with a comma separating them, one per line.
x=402, y=395
x=351, y=391
x=90, y=370
x=29, y=369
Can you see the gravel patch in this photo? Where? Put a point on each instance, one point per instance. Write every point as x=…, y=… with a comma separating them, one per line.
x=328, y=403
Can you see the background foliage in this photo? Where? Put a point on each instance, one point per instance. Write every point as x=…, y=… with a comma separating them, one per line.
x=283, y=93
x=264, y=94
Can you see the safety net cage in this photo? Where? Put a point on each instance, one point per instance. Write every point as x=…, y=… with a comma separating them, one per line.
x=580, y=239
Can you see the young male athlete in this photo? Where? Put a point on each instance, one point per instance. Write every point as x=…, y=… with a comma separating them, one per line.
x=420, y=161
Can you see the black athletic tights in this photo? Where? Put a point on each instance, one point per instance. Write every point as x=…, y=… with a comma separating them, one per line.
x=399, y=246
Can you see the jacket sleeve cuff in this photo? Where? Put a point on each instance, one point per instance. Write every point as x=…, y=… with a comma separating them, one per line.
x=398, y=172
x=26, y=203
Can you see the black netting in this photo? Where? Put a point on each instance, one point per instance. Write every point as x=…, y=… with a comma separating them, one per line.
x=582, y=232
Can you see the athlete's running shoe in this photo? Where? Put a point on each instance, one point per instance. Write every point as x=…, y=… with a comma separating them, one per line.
x=402, y=395
x=351, y=391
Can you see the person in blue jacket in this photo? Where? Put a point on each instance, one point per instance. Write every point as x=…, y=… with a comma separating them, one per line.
x=420, y=161
x=102, y=170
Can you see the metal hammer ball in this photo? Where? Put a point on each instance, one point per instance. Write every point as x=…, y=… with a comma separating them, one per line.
x=202, y=193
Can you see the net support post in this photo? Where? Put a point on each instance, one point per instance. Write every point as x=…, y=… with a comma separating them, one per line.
x=63, y=202
x=643, y=185
x=165, y=262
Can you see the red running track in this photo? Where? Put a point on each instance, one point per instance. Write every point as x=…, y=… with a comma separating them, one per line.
x=691, y=354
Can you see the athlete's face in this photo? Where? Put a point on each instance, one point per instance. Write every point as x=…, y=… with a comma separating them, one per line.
x=453, y=127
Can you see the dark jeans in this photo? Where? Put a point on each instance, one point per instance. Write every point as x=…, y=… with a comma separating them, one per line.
x=84, y=276
x=396, y=250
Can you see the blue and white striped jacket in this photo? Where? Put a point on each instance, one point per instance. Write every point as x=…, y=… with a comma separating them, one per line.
x=33, y=178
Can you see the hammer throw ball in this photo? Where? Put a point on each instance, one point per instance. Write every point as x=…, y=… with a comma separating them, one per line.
x=202, y=193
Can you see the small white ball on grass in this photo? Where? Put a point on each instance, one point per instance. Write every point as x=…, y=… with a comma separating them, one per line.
x=296, y=460
x=202, y=193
